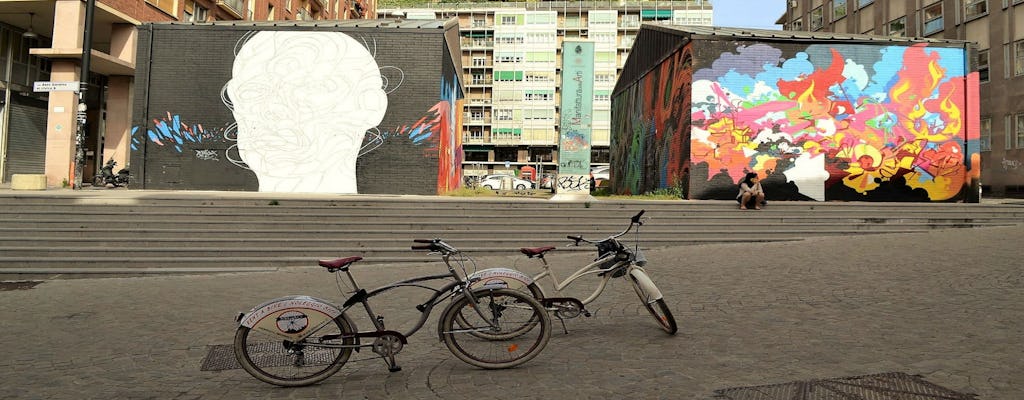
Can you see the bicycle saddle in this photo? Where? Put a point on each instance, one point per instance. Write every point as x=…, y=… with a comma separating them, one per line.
x=536, y=251
x=340, y=264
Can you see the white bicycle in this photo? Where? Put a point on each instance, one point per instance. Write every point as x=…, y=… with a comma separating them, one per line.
x=614, y=260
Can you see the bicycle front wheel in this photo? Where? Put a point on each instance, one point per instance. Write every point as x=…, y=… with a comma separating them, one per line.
x=276, y=361
x=655, y=305
x=514, y=329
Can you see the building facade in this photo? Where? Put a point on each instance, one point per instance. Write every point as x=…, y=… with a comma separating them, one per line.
x=43, y=41
x=511, y=60
x=997, y=26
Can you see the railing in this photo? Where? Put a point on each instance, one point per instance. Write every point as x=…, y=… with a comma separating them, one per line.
x=549, y=5
x=232, y=6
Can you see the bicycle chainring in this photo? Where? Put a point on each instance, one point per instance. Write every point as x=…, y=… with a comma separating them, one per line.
x=388, y=345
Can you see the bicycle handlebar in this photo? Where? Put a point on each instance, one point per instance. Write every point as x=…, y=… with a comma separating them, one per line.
x=634, y=220
x=435, y=245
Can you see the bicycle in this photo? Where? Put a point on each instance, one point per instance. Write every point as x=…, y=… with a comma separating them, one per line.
x=614, y=260
x=302, y=340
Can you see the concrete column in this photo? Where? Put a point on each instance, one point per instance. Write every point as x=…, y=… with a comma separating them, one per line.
x=117, y=138
x=68, y=23
x=61, y=125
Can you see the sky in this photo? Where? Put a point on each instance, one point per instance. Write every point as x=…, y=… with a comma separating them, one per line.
x=748, y=13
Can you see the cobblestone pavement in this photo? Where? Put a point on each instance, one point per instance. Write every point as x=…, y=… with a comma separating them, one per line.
x=948, y=305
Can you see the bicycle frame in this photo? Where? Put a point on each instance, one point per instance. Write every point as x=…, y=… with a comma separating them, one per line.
x=589, y=269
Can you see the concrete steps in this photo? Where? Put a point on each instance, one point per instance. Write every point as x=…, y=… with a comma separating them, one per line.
x=120, y=231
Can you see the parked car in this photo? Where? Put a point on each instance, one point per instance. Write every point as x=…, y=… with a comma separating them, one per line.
x=494, y=182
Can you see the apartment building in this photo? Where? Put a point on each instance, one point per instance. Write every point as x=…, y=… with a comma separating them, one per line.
x=511, y=60
x=997, y=26
x=42, y=41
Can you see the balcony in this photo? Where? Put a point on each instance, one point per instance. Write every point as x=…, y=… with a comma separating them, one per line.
x=233, y=7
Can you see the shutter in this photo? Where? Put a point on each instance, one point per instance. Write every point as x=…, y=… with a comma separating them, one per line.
x=26, y=137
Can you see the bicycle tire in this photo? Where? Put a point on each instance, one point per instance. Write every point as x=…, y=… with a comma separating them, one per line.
x=535, y=291
x=656, y=307
x=268, y=358
x=502, y=349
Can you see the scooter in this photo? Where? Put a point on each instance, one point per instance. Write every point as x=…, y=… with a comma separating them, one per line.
x=107, y=178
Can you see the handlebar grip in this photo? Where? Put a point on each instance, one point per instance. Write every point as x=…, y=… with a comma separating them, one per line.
x=576, y=238
x=636, y=218
x=423, y=240
x=423, y=247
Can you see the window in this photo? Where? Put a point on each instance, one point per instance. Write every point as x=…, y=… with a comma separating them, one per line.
x=862, y=3
x=605, y=78
x=1020, y=132
x=604, y=56
x=503, y=114
x=538, y=95
x=540, y=56
x=817, y=19
x=476, y=115
x=480, y=79
x=898, y=27
x=479, y=23
x=986, y=134
x=508, y=58
x=1018, y=58
x=195, y=12
x=270, y=12
x=602, y=97
x=975, y=8
x=508, y=19
x=838, y=9
x=983, y=65
x=797, y=25
x=539, y=77
x=167, y=6
x=479, y=61
x=933, y=21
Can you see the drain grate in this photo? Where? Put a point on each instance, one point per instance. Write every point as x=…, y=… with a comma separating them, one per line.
x=886, y=386
x=220, y=357
x=18, y=285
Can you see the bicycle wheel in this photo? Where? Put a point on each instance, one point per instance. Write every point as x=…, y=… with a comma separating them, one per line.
x=463, y=320
x=506, y=344
x=271, y=359
x=657, y=307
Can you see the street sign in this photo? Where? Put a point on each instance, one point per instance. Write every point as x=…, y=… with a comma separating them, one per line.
x=47, y=86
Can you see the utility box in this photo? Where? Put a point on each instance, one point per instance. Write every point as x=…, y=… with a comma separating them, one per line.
x=819, y=116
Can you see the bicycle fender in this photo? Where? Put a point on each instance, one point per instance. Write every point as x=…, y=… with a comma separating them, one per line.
x=645, y=283
x=499, y=278
x=291, y=316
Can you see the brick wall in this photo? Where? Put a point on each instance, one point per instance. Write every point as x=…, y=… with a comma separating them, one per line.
x=183, y=69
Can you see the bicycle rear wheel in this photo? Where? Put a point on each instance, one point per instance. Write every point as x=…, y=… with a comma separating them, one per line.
x=655, y=306
x=464, y=323
x=271, y=359
x=521, y=328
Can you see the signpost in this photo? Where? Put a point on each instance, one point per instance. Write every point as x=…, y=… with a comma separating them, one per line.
x=47, y=86
x=576, y=117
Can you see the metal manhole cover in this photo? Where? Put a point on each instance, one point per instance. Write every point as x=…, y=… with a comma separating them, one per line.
x=886, y=386
x=220, y=357
x=18, y=285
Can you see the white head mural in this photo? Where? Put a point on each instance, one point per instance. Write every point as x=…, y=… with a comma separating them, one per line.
x=303, y=102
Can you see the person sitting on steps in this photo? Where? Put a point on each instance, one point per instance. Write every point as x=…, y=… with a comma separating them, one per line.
x=751, y=193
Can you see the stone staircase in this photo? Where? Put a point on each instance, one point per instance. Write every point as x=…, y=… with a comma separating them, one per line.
x=122, y=231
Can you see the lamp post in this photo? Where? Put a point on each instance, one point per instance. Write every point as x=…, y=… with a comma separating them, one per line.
x=83, y=85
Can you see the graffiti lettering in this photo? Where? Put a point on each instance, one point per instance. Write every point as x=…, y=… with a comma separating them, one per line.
x=1011, y=164
x=575, y=182
x=207, y=155
x=575, y=164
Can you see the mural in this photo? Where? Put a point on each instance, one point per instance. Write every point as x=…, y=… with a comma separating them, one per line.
x=849, y=122
x=651, y=144
x=305, y=106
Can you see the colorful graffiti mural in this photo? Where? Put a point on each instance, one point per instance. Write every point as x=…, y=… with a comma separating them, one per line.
x=849, y=122
x=650, y=149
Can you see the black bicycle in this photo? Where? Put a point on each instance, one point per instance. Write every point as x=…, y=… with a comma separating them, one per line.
x=301, y=340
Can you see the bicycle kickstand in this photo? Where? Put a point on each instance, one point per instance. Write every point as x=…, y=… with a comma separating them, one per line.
x=562, y=320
